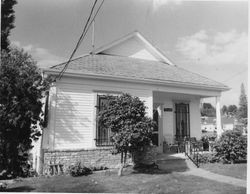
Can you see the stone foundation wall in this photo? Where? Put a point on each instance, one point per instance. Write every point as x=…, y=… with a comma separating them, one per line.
x=58, y=162
x=61, y=160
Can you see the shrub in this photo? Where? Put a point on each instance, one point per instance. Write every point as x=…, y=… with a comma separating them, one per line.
x=132, y=130
x=79, y=170
x=205, y=139
x=21, y=89
x=205, y=143
x=208, y=158
x=97, y=168
x=231, y=147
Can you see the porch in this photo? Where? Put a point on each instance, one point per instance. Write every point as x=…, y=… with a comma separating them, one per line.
x=178, y=116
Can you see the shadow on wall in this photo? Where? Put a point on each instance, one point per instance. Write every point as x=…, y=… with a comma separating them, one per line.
x=73, y=120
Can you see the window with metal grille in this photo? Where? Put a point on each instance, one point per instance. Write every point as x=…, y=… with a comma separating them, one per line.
x=102, y=134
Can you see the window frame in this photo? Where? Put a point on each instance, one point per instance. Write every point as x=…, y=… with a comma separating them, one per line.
x=99, y=141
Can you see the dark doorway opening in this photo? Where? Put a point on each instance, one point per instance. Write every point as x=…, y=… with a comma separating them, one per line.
x=182, y=120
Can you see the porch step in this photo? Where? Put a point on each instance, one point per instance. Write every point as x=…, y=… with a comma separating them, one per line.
x=171, y=156
x=172, y=163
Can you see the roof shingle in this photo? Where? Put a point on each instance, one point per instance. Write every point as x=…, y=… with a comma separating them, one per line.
x=127, y=67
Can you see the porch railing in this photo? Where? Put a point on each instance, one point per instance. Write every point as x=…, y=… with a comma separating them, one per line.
x=193, y=149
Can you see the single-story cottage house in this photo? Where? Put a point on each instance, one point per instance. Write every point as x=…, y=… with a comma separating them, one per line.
x=131, y=65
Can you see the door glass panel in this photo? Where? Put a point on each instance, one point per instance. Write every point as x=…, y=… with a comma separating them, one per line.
x=155, y=133
x=182, y=120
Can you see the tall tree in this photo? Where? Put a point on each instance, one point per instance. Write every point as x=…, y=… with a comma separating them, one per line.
x=208, y=110
x=21, y=90
x=242, y=111
x=7, y=22
x=232, y=110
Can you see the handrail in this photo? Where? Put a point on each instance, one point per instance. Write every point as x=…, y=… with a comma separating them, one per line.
x=192, y=150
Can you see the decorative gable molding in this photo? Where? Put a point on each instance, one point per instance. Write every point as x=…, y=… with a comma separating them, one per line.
x=133, y=45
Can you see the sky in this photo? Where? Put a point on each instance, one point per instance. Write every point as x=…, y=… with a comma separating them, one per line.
x=205, y=37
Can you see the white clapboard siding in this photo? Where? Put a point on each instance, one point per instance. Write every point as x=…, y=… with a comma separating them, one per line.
x=74, y=124
x=74, y=117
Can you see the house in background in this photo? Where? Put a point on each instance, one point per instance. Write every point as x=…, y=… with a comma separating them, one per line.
x=208, y=124
x=228, y=123
x=128, y=65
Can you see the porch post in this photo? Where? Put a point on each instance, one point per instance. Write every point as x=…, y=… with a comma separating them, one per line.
x=52, y=116
x=150, y=106
x=218, y=117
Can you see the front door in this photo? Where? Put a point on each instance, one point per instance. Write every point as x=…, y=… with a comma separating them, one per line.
x=155, y=138
x=157, y=134
x=182, y=120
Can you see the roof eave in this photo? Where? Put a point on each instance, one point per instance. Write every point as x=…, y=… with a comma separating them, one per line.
x=146, y=81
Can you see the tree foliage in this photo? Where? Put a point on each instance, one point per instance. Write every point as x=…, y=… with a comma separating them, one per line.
x=231, y=147
x=232, y=110
x=126, y=117
x=229, y=110
x=21, y=90
x=7, y=22
x=208, y=110
x=242, y=111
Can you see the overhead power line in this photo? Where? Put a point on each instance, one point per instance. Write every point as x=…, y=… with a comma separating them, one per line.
x=78, y=42
x=235, y=75
x=84, y=32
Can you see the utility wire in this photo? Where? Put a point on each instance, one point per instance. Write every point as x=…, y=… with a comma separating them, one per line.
x=85, y=29
x=92, y=20
x=78, y=42
x=235, y=75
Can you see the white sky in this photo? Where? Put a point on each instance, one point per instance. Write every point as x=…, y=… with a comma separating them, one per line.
x=206, y=37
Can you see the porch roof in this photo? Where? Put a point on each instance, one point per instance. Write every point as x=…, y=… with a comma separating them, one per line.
x=138, y=69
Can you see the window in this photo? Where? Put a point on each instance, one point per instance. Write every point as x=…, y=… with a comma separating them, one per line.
x=102, y=134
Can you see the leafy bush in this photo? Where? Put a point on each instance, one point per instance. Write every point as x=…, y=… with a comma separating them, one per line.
x=22, y=88
x=97, y=168
x=79, y=170
x=205, y=139
x=208, y=158
x=205, y=143
x=132, y=130
x=231, y=147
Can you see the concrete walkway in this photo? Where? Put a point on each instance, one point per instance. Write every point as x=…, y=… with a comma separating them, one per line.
x=181, y=164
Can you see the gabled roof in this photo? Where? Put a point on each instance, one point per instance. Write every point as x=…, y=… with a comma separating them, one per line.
x=127, y=68
x=137, y=39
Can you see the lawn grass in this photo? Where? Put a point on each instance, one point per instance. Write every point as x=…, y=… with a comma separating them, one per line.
x=131, y=182
x=233, y=170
